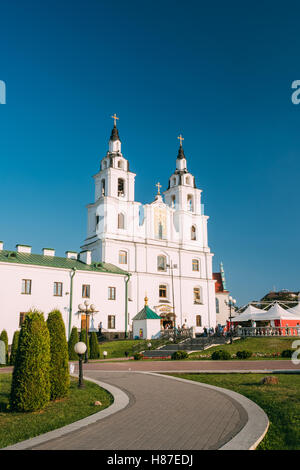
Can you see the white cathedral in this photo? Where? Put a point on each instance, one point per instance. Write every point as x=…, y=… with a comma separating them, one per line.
x=159, y=250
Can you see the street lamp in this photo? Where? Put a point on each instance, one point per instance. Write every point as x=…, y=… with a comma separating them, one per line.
x=87, y=309
x=80, y=348
x=231, y=302
x=173, y=266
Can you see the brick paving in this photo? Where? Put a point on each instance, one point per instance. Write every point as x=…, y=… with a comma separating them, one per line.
x=192, y=366
x=162, y=414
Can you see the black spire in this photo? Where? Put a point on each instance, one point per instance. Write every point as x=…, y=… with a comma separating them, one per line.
x=115, y=134
x=180, y=152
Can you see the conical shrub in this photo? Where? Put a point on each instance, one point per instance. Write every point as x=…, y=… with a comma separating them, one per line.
x=59, y=358
x=74, y=338
x=14, y=347
x=94, y=347
x=30, y=389
x=83, y=339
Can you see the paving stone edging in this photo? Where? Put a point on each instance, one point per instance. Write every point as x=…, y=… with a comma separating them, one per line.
x=257, y=425
x=121, y=400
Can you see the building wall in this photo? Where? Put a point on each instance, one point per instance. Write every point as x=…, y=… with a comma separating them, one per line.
x=12, y=301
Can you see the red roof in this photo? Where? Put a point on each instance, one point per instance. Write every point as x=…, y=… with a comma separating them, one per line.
x=219, y=284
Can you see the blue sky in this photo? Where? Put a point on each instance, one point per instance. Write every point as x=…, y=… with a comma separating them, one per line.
x=219, y=73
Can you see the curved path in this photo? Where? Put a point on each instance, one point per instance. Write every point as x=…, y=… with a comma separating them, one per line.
x=164, y=413
x=194, y=366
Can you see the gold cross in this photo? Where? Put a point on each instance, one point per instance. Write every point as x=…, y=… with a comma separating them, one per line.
x=115, y=118
x=181, y=139
x=158, y=187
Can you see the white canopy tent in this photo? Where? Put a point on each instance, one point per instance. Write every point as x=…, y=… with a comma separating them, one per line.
x=248, y=314
x=295, y=310
x=276, y=312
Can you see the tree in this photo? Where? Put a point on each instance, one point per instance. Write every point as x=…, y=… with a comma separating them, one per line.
x=59, y=358
x=72, y=341
x=94, y=347
x=30, y=389
x=14, y=347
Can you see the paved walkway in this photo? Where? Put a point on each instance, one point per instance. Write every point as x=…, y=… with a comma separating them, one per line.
x=162, y=414
x=193, y=366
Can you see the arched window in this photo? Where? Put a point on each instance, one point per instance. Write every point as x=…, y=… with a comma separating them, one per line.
x=190, y=203
x=120, y=164
x=217, y=306
x=121, y=220
x=198, y=320
x=161, y=263
x=193, y=232
x=122, y=257
x=121, y=187
x=173, y=181
x=187, y=180
x=198, y=295
x=195, y=265
x=104, y=165
x=173, y=201
x=102, y=187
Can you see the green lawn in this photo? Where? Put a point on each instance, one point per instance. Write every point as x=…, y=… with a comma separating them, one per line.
x=16, y=427
x=280, y=402
x=116, y=349
x=258, y=346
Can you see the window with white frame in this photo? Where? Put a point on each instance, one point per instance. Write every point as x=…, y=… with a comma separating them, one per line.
x=122, y=257
x=197, y=295
x=195, y=265
x=111, y=322
x=26, y=286
x=58, y=289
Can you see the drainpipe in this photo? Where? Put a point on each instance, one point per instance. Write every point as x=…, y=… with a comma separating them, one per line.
x=127, y=279
x=70, y=306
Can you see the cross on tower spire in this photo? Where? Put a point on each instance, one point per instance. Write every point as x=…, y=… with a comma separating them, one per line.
x=114, y=117
x=181, y=139
x=158, y=187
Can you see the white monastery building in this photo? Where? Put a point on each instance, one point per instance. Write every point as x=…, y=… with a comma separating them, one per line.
x=131, y=250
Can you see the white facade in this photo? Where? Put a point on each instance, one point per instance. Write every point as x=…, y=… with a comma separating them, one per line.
x=146, y=241
x=16, y=298
x=166, y=232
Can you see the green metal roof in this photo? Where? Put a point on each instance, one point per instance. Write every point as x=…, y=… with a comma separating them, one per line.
x=57, y=262
x=146, y=314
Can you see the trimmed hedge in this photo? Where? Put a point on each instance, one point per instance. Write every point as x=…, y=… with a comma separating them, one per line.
x=74, y=338
x=221, y=355
x=243, y=354
x=14, y=348
x=179, y=355
x=287, y=353
x=94, y=347
x=30, y=389
x=59, y=357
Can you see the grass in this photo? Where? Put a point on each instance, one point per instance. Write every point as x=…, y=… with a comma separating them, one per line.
x=16, y=426
x=117, y=349
x=280, y=402
x=269, y=345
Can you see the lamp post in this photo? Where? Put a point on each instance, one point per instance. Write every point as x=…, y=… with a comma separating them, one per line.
x=231, y=302
x=173, y=266
x=80, y=348
x=87, y=310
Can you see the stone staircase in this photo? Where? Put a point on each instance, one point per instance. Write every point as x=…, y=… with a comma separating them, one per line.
x=191, y=344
